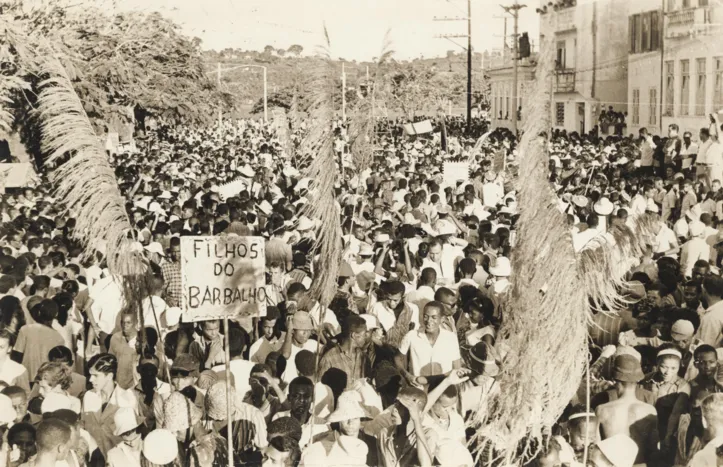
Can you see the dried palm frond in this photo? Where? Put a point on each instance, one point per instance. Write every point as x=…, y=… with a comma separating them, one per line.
x=546, y=333
x=604, y=264
x=85, y=184
x=363, y=118
x=324, y=173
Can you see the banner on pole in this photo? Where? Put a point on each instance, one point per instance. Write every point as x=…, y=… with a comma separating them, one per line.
x=418, y=128
x=223, y=277
x=455, y=171
x=499, y=163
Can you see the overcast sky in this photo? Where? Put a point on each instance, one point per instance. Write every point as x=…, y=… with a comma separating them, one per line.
x=356, y=27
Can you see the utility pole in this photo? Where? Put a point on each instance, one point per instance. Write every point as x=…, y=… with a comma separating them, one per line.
x=514, y=10
x=343, y=92
x=469, y=55
x=469, y=66
x=218, y=83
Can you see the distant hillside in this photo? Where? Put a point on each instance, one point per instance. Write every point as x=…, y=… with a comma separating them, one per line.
x=286, y=66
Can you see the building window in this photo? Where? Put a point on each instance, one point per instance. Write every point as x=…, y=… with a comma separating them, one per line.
x=702, y=2
x=669, y=88
x=636, y=106
x=718, y=89
x=700, y=88
x=644, y=30
x=684, y=86
x=686, y=3
x=560, y=113
x=561, y=61
x=653, y=114
x=671, y=5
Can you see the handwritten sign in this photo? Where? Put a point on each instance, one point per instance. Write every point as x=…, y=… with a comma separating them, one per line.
x=223, y=277
x=454, y=172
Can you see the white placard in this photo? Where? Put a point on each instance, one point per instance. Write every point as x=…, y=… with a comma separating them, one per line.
x=223, y=277
x=454, y=172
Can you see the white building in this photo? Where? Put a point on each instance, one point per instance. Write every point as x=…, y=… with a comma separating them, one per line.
x=684, y=58
x=591, y=40
x=500, y=69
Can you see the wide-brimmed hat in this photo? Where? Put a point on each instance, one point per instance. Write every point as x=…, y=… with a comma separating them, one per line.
x=603, y=207
x=216, y=402
x=502, y=267
x=443, y=227
x=348, y=408
x=627, y=369
x=579, y=201
x=160, y=447
x=304, y=224
x=155, y=247
x=125, y=420
x=246, y=171
x=366, y=250
x=180, y=413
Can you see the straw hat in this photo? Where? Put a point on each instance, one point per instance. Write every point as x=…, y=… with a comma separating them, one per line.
x=603, y=207
x=304, y=224
x=125, y=420
x=160, y=447
x=215, y=401
x=502, y=267
x=181, y=414
x=347, y=408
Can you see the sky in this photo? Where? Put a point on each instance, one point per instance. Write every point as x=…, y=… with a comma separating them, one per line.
x=356, y=27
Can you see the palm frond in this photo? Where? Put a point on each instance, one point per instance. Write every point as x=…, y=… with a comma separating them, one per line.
x=85, y=183
x=363, y=118
x=324, y=173
x=545, y=333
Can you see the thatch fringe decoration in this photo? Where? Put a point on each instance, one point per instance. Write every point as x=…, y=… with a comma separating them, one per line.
x=363, y=118
x=324, y=172
x=546, y=333
x=602, y=266
x=86, y=183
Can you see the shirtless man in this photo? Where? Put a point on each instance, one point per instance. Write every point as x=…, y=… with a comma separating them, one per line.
x=627, y=415
x=705, y=360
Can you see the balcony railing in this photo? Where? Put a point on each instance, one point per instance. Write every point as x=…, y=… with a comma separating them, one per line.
x=681, y=17
x=690, y=21
x=565, y=80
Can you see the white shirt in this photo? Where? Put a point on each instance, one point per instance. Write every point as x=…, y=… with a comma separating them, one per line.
x=107, y=303
x=241, y=370
x=693, y=250
x=387, y=318
x=290, y=373
x=426, y=359
x=421, y=296
x=665, y=240
x=343, y=451
x=123, y=456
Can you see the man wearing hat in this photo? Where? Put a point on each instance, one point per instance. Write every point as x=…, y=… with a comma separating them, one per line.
x=298, y=330
x=628, y=415
x=128, y=451
x=343, y=445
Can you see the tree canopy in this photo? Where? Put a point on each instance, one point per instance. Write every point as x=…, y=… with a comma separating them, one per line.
x=132, y=60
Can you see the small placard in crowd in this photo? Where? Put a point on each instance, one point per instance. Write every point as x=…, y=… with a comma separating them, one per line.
x=418, y=128
x=499, y=162
x=223, y=277
x=454, y=172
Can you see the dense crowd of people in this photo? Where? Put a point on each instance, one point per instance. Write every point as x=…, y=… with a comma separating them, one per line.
x=390, y=372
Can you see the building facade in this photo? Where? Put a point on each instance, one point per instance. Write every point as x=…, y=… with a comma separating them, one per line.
x=591, y=59
x=678, y=78
x=499, y=67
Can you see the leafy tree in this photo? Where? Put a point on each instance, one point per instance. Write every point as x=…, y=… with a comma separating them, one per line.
x=296, y=49
x=281, y=52
x=269, y=49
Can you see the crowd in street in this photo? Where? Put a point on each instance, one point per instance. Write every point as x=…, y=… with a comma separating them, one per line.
x=392, y=369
